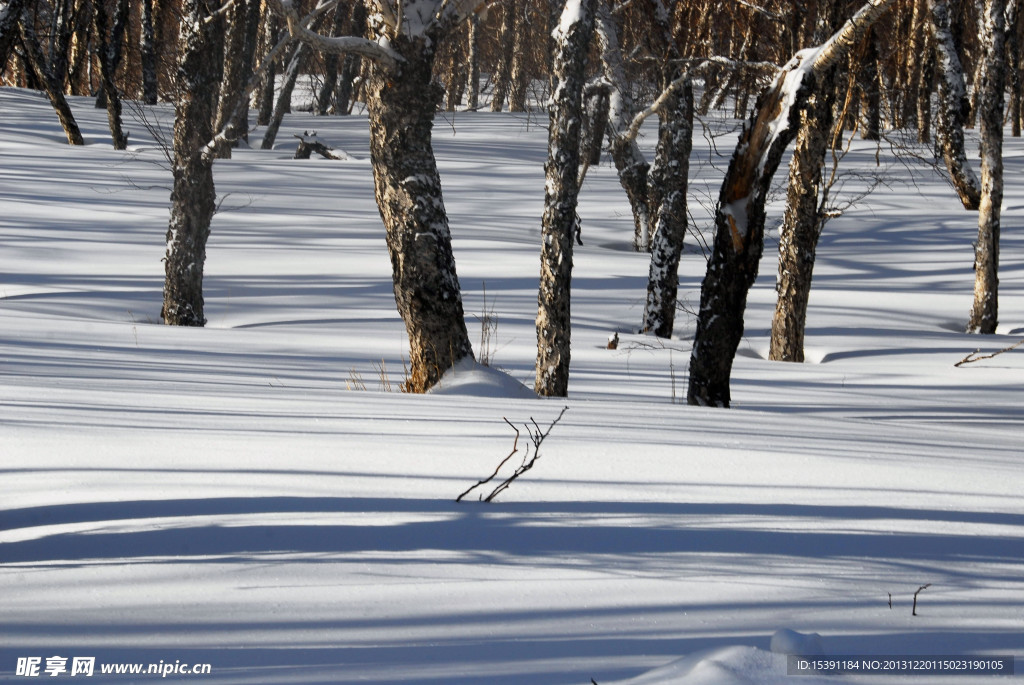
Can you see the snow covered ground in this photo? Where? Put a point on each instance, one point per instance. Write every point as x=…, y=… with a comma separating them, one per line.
x=257, y=496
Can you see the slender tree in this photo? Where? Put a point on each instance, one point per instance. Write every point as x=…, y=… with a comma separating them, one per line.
x=560, y=223
x=985, y=311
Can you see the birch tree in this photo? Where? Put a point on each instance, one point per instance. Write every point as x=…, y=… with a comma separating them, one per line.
x=402, y=98
x=193, y=197
x=985, y=311
x=740, y=212
x=560, y=222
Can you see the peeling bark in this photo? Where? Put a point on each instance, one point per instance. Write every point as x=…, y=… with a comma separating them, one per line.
x=985, y=311
x=560, y=221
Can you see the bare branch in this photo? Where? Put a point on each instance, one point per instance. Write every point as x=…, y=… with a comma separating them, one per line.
x=973, y=356
x=298, y=28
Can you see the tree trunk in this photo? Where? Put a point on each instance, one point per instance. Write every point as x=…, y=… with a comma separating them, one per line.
x=472, y=64
x=147, y=55
x=109, y=42
x=54, y=90
x=284, y=98
x=239, y=51
x=408, y=190
x=953, y=105
x=322, y=105
x=560, y=222
x=801, y=225
x=629, y=162
x=503, y=67
x=740, y=215
x=518, y=75
x=985, y=312
x=264, y=104
x=803, y=220
x=9, y=16
x=670, y=174
x=193, y=196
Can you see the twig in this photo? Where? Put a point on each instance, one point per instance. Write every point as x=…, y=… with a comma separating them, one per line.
x=537, y=436
x=972, y=358
x=488, y=479
x=923, y=587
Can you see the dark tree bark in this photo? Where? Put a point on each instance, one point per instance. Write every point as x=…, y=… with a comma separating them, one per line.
x=110, y=40
x=518, y=76
x=9, y=16
x=193, y=196
x=265, y=92
x=953, y=106
x=871, y=97
x=324, y=98
x=147, y=54
x=50, y=83
x=560, y=223
x=284, y=98
x=740, y=215
x=985, y=312
x=503, y=68
x=670, y=175
x=243, y=23
x=408, y=190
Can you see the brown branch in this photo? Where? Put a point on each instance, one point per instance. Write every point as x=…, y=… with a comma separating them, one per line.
x=972, y=358
x=488, y=479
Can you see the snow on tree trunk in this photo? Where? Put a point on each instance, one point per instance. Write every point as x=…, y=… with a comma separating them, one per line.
x=670, y=174
x=803, y=221
x=401, y=105
x=953, y=106
x=560, y=222
x=985, y=312
x=801, y=226
x=193, y=196
x=740, y=215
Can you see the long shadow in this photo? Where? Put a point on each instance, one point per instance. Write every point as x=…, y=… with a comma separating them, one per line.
x=185, y=529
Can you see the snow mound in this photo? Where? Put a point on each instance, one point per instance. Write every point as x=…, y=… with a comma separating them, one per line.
x=786, y=641
x=722, y=666
x=468, y=377
x=737, y=665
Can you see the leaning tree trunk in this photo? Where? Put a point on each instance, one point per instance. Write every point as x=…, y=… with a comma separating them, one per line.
x=54, y=91
x=560, y=223
x=408, y=190
x=193, y=195
x=322, y=104
x=670, y=173
x=803, y=220
x=740, y=215
x=985, y=312
x=953, y=106
x=284, y=98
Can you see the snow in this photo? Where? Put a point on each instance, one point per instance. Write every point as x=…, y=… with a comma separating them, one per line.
x=229, y=496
